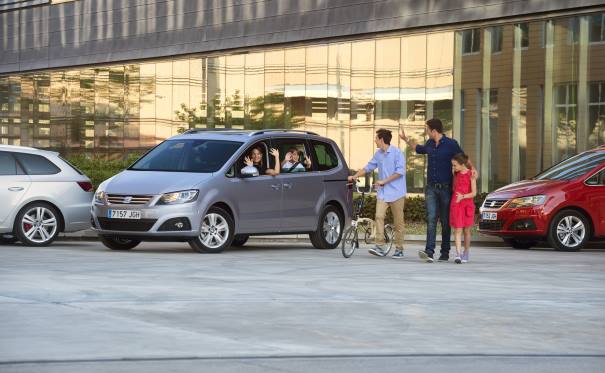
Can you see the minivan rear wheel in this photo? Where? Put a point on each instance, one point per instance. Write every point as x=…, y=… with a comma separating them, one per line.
x=569, y=231
x=329, y=229
x=216, y=232
x=37, y=224
x=118, y=243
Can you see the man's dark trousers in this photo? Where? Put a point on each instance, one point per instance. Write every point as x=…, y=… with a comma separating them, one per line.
x=437, y=199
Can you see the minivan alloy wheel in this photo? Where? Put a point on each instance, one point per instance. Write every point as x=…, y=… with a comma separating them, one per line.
x=331, y=227
x=39, y=224
x=571, y=231
x=215, y=231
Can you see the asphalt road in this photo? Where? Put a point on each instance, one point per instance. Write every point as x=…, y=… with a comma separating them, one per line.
x=286, y=307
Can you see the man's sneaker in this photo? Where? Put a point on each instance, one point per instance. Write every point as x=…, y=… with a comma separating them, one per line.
x=426, y=257
x=377, y=250
x=458, y=260
x=443, y=258
x=464, y=257
x=398, y=254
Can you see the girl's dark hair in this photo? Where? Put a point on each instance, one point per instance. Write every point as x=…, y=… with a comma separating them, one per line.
x=462, y=158
x=261, y=152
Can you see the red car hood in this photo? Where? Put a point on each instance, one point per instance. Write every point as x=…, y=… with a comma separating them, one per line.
x=526, y=188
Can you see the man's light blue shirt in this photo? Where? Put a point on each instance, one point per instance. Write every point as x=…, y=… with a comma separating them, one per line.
x=388, y=163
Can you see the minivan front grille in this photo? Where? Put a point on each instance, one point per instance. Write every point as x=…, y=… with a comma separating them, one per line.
x=116, y=199
x=494, y=203
x=127, y=225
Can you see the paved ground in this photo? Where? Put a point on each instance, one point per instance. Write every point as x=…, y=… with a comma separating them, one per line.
x=285, y=307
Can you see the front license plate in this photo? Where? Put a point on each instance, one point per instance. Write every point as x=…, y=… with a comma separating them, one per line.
x=123, y=214
x=489, y=216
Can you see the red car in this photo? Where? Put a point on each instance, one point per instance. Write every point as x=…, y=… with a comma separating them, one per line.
x=564, y=205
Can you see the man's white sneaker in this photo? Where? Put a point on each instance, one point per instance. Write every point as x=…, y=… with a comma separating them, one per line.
x=377, y=250
x=426, y=257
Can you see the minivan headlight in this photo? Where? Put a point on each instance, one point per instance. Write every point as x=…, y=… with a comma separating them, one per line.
x=174, y=198
x=527, y=201
x=100, y=197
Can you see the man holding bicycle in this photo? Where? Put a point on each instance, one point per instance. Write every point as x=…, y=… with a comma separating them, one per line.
x=391, y=189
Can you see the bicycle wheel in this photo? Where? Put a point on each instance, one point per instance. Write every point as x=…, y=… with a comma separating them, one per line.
x=349, y=242
x=366, y=230
x=389, y=236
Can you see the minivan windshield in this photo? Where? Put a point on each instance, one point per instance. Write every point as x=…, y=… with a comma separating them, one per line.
x=193, y=155
x=573, y=167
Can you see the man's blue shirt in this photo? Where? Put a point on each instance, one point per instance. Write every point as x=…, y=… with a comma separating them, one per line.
x=440, y=159
x=389, y=163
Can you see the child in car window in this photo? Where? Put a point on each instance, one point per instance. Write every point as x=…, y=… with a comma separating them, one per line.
x=255, y=159
x=292, y=162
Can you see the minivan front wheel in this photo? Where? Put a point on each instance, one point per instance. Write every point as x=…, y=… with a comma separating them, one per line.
x=569, y=231
x=216, y=232
x=240, y=240
x=118, y=243
x=329, y=229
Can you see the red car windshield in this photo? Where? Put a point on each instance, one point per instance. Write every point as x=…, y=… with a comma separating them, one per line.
x=573, y=167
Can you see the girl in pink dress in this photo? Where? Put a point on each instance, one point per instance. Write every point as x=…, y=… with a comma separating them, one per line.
x=462, y=207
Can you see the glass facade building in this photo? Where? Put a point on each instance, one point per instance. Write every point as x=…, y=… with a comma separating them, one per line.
x=518, y=96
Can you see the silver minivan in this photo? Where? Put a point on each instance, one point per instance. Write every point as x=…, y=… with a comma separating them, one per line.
x=215, y=188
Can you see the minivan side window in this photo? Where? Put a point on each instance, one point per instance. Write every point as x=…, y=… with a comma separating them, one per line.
x=8, y=166
x=294, y=155
x=268, y=160
x=325, y=155
x=36, y=164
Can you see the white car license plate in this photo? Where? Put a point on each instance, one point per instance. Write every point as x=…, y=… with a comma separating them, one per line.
x=123, y=214
x=489, y=216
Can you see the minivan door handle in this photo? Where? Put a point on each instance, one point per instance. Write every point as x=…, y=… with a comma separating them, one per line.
x=287, y=186
x=15, y=189
x=276, y=186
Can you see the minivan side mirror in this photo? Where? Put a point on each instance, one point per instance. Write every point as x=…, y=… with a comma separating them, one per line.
x=249, y=171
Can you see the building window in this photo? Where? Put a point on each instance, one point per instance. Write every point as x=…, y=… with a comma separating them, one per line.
x=524, y=30
x=16, y=4
x=496, y=33
x=596, y=26
x=462, y=113
x=596, y=114
x=573, y=30
x=471, y=41
x=566, y=119
x=545, y=27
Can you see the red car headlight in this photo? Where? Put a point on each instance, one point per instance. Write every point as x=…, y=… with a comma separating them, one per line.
x=529, y=201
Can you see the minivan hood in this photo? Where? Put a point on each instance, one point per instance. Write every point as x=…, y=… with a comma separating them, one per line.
x=154, y=182
x=526, y=188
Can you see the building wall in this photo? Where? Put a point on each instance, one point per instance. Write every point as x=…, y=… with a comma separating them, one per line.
x=515, y=111
x=104, y=31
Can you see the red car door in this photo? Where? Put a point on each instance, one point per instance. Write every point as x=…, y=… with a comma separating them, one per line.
x=596, y=197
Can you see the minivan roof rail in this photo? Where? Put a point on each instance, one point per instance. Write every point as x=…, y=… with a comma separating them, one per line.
x=196, y=130
x=282, y=130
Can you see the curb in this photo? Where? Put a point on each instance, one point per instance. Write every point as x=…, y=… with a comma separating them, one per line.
x=89, y=235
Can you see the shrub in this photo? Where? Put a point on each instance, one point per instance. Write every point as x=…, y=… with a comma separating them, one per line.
x=414, y=209
x=98, y=169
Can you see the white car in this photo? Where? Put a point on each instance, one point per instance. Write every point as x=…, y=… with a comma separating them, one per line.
x=41, y=195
